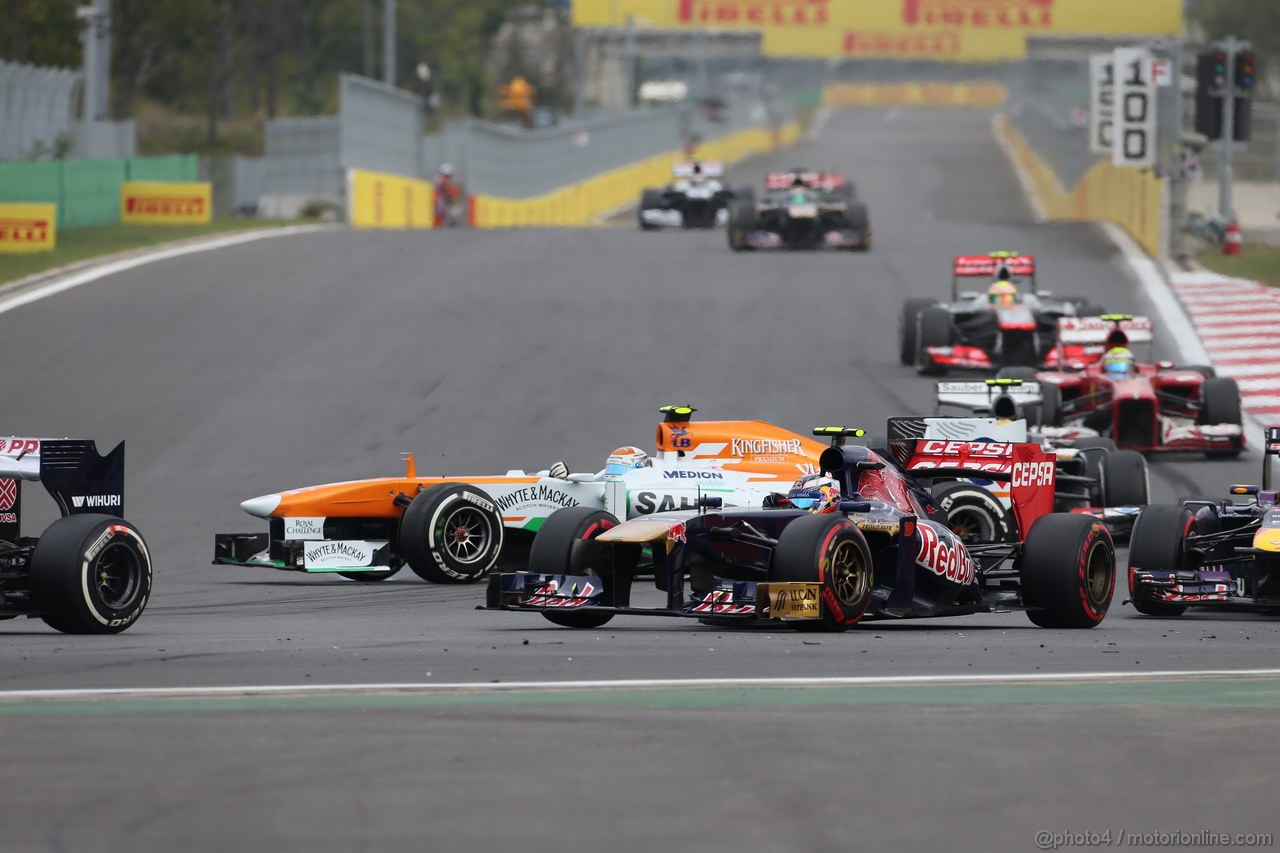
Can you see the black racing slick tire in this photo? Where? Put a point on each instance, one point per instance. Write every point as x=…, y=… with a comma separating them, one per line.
x=564, y=546
x=829, y=550
x=742, y=215
x=908, y=326
x=974, y=514
x=1220, y=404
x=933, y=330
x=1095, y=449
x=1157, y=543
x=451, y=533
x=860, y=220
x=1125, y=480
x=90, y=574
x=649, y=200
x=1067, y=571
x=1050, y=405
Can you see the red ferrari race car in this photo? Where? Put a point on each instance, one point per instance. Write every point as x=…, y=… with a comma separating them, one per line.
x=1098, y=387
x=985, y=330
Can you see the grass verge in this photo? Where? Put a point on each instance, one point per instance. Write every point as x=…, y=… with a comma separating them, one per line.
x=1256, y=261
x=85, y=243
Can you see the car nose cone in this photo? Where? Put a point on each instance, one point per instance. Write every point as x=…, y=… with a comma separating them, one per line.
x=261, y=506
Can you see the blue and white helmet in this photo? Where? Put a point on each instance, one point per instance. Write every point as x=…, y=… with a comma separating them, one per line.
x=626, y=459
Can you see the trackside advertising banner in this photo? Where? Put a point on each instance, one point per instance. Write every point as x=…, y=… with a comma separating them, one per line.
x=166, y=203
x=28, y=227
x=948, y=30
x=382, y=200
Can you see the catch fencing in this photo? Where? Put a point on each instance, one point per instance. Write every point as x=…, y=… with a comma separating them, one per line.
x=37, y=110
x=379, y=128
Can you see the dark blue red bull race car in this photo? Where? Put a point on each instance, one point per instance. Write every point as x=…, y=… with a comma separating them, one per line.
x=884, y=550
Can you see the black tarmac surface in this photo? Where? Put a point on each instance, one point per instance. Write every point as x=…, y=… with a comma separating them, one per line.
x=320, y=357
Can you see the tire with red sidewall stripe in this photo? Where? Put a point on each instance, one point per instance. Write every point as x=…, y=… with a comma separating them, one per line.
x=829, y=550
x=1156, y=543
x=1067, y=571
x=90, y=574
x=564, y=546
x=451, y=533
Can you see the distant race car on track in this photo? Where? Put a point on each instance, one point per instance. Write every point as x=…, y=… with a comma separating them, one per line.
x=1206, y=552
x=90, y=571
x=696, y=198
x=801, y=209
x=455, y=529
x=989, y=329
x=1101, y=388
x=861, y=540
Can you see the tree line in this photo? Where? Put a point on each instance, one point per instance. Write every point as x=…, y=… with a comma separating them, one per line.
x=226, y=58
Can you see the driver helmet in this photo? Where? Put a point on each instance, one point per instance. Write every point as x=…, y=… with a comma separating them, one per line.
x=446, y=169
x=626, y=459
x=1118, y=362
x=1003, y=294
x=817, y=493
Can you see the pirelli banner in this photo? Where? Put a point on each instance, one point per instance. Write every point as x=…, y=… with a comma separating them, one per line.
x=166, y=203
x=28, y=227
x=943, y=30
x=383, y=200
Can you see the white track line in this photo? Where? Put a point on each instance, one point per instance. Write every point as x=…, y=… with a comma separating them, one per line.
x=633, y=684
x=74, y=280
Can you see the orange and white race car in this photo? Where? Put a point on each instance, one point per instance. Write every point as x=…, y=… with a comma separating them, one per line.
x=455, y=529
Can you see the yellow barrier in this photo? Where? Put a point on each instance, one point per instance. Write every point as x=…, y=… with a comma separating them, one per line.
x=28, y=228
x=582, y=203
x=974, y=94
x=1129, y=197
x=383, y=200
x=166, y=203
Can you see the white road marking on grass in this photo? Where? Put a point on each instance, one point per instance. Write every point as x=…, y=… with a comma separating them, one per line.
x=630, y=684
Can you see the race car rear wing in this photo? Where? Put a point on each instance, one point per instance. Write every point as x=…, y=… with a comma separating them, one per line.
x=824, y=181
x=689, y=168
x=1030, y=471
x=1105, y=329
x=72, y=471
x=1003, y=398
x=989, y=267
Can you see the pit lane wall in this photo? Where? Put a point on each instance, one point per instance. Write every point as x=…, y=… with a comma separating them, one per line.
x=585, y=202
x=1131, y=198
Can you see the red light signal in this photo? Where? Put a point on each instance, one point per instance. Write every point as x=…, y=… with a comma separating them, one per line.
x=1244, y=71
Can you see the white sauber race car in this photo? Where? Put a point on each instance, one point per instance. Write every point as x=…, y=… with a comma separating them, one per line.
x=695, y=198
x=1093, y=477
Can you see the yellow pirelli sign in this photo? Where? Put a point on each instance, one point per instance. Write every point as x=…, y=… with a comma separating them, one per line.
x=166, y=203
x=28, y=227
x=383, y=200
x=947, y=30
